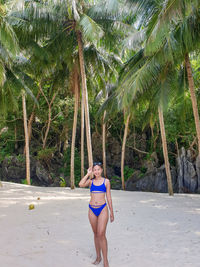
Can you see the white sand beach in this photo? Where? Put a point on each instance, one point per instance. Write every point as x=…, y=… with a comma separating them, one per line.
x=150, y=229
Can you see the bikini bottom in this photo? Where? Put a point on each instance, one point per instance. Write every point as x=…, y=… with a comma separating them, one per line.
x=96, y=209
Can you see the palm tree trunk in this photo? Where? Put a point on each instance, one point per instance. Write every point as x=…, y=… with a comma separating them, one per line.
x=16, y=144
x=85, y=96
x=76, y=99
x=47, y=129
x=165, y=151
x=193, y=98
x=104, y=143
x=66, y=136
x=82, y=135
x=123, y=150
x=30, y=122
x=26, y=140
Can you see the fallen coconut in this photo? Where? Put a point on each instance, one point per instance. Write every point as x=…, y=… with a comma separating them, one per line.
x=31, y=207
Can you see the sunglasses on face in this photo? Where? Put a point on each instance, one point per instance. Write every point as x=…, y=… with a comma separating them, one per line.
x=97, y=163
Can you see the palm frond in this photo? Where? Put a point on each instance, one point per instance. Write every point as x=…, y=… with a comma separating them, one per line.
x=2, y=73
x=8, y=38
x=90, y=29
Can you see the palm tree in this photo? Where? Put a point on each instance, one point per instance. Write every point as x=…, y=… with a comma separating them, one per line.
x=20, y=84
x=193, y=97
x=85, y=97
x=173, y=26
x=75, y=84
x=165, y=150
x=104, y=143
x=143, y=74
x=26, y=139
x=30, y=121
x=127, y=119
x=82, y=134
x=113, y=105
x=16, y=84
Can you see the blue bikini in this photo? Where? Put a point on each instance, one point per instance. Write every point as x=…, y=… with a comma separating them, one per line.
x=96, y=209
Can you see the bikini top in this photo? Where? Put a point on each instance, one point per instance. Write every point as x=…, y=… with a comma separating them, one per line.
x=98, y=188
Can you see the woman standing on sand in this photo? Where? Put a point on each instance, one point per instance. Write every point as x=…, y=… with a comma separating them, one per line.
x=98, y=210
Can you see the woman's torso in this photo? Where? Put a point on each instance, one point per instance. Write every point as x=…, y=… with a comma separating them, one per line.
x=98, y=191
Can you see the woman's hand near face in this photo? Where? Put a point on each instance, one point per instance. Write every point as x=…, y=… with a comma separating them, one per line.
x=89, y=171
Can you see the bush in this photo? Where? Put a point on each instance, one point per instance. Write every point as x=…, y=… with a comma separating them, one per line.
x=45, y=155
x=6, y=147
x=24, y=181
x=128, y=172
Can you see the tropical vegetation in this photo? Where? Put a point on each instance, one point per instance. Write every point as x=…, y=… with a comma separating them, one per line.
x=112, y=68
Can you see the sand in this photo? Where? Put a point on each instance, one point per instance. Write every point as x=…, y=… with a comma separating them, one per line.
x=150, y=229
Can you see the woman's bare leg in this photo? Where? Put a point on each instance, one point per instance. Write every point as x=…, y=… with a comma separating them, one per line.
x=93, y=221
x=101, y=233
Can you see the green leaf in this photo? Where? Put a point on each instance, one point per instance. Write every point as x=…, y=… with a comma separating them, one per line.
x=90, y=29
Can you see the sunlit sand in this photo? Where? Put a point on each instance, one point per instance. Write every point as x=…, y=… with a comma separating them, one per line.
x=150, y=229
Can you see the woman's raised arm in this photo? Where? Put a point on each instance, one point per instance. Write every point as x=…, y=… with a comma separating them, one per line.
x=84, y=182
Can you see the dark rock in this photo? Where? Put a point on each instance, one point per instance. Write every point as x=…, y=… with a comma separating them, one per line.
x=13, y=168
x=153, y=181
x=154, y=159
x=110, y=171
x=42, y=174
x=149, y=165
x=117, y=170
x=128, y=156
x=134, y=178
x=187, y=175
x=114, y=147
x=56, y=182
x=97, y=146
x=116, y=183
x=197, y=165
x=14, y=173
x=114, y=152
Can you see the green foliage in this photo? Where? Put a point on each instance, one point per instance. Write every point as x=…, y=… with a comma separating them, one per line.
x=45, y=31
x=115, y=180
x=62, y=182
x=46, y=154
x=143, y=170
x=21, y=158
x=24, y=181
x=77, y=165
x=6, y=147
x=175, y=122
x=141, y=174
x=128, y=172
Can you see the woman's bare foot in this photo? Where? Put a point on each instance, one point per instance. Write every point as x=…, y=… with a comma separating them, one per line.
x=97, y=261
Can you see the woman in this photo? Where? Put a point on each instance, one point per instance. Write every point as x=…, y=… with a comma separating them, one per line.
x=98, y=210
